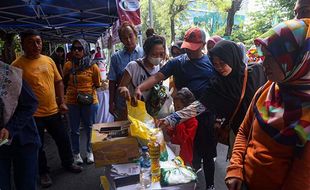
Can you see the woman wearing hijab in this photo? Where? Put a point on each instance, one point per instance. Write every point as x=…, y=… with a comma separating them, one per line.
x=213, y=41
x=272, y=149
x=17, y=105
x=81, y=96
x=223, y=95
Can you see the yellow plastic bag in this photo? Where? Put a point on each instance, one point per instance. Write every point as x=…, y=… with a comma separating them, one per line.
x=142, y=124
x=143, y=127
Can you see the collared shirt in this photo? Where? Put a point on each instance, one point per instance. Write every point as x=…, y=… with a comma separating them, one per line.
x=119, y=61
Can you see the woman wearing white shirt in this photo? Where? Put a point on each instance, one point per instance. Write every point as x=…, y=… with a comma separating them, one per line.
x=139, y=70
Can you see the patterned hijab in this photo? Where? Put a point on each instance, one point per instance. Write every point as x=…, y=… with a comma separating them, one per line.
x=85, y=62
x=10, y=89
x=287, y=103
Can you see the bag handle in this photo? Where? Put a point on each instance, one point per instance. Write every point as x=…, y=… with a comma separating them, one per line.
x=242, y=95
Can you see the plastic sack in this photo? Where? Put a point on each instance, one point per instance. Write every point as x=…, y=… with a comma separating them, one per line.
x=167, y=108
x=143, y=127
x=175, y=172
x=142, y=124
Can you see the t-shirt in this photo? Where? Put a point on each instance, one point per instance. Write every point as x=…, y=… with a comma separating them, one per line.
x=41, y=74
x=193, y=74
x=87, y=79
x=138, y=75
x=119, y=61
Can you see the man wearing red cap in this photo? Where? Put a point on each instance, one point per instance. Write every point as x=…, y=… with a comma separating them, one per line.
x=194, y=71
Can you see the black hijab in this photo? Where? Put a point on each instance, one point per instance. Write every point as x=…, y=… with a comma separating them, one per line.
x=223, y=95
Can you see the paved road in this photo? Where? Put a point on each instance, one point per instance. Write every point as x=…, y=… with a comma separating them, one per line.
x=89, y=178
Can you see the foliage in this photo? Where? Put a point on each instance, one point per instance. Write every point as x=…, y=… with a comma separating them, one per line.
x=287, y=7
x=273, y=12
x=261, y=22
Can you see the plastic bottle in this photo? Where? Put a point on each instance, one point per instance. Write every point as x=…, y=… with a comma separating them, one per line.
x=154, y=149
x=145, y=172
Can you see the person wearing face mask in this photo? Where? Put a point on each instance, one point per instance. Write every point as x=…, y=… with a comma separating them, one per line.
x=194, y=71
x=136, y=72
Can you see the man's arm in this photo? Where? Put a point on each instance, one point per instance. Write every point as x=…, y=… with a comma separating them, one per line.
x=148, y=84
x=123, y=86
x=59, y=90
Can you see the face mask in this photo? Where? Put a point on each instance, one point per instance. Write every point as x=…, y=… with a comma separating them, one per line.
x=155, y=61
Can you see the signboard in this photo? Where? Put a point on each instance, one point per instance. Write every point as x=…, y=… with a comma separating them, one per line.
x=129, y=10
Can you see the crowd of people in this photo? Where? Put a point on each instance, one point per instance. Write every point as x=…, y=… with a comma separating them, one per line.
x=261, y=96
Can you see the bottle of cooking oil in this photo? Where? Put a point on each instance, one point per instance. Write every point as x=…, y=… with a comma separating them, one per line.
x=154, y=150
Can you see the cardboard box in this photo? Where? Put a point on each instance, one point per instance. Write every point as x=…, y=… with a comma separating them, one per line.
x=115, y=150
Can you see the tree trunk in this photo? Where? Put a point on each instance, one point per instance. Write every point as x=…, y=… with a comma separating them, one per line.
x=235, y=6
x=172, y=26
x=8, y=49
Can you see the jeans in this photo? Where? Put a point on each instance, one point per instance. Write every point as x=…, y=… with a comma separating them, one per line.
x=24, y=159
x=86, y=114
x=56, y=128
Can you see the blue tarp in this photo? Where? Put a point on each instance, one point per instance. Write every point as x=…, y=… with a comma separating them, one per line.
x=59, y=20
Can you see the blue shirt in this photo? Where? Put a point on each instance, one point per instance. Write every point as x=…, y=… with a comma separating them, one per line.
x=193, y=74
x=119, y=61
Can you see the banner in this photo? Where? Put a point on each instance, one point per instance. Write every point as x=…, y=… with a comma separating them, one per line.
x=129, y=10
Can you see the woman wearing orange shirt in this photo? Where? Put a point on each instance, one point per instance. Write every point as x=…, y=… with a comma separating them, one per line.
x=81, y=96
x=272, y=150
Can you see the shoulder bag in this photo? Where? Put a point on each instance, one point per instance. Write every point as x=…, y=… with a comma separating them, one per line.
x=81, y=98
x=157, y=97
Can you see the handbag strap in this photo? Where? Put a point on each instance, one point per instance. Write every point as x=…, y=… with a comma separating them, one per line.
x=242, y=95
x=73, y=71
x=140, y=63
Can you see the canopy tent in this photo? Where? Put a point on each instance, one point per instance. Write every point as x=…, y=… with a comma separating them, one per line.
x=59, y=20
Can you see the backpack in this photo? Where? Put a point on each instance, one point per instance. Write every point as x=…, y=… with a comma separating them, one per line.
x=157, y=97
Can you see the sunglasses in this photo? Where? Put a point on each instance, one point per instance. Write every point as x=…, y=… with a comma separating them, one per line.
x=79, y=48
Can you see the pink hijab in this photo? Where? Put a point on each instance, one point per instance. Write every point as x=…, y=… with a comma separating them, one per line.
x=214, y=39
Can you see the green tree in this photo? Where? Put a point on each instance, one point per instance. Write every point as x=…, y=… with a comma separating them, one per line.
x=273, y=12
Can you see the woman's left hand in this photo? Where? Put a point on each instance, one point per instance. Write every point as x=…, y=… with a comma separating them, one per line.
x=233, y=183
x=4, y=134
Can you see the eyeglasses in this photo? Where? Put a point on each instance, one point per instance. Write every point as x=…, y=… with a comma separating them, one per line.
x=79, y=48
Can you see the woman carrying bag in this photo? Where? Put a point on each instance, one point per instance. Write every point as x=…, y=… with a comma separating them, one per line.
x=81, y=96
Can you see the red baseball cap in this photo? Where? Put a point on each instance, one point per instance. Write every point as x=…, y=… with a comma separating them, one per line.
x=194, y=39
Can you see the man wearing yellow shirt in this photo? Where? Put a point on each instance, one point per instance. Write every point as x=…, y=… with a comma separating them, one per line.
x=41, y=74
